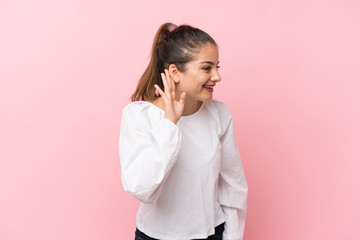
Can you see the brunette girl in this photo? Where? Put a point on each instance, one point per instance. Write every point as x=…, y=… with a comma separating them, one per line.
x=178, y=152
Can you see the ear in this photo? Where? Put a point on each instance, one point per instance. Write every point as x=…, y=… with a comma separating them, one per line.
x=174, y=73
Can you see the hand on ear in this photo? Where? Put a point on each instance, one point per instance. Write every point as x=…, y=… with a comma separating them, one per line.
x=174, y=73
x=173, y=76
x=173, y=107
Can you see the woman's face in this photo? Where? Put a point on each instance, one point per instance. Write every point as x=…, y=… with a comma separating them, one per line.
x=201, y=75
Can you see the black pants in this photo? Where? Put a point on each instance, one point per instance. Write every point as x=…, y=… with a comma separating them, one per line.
x=217, y=236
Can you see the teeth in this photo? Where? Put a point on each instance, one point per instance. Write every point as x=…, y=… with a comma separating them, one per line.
x=208, y=86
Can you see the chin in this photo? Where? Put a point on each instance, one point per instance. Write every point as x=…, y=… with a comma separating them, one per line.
x=208, y=98
x=201, y=97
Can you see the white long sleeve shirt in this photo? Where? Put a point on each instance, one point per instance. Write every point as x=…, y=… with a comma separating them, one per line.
x=188, y=176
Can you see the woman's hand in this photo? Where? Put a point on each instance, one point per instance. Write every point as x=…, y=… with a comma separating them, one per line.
x=173, y=107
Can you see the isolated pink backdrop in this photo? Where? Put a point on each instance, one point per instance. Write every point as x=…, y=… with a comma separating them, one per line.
x=290, y=73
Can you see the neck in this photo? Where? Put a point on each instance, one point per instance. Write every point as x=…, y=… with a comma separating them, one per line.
x=191, y=105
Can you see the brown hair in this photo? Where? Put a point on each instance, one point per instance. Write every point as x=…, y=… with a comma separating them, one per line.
x=172, y=45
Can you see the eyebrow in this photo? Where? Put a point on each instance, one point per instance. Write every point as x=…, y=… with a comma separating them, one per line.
x=211, y=63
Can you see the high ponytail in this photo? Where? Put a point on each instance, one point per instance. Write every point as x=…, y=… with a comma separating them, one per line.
x=172, y=45
x=145, y=88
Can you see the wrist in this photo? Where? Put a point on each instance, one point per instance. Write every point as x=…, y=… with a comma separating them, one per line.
x=173, y=120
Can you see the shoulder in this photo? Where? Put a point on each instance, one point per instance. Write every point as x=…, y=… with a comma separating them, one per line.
x=142, y=113
x=219, y=113
x=218, y=108
x=137, y=107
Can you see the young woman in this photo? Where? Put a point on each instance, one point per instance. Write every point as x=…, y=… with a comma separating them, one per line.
x=178, y=153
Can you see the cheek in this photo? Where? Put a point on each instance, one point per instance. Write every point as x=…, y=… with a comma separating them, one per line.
x=193, y=82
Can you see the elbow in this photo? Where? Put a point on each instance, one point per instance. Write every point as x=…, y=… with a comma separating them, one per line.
x=143, y=195
x=147, y=198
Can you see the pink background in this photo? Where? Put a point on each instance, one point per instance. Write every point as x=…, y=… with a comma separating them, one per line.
x=290, y=76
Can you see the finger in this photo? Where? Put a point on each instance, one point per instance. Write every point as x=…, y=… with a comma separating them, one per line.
x=165, y=82
x=182, y=98
x=168, y=80
x=171, y=84
x=159, y=90
x=156, y=92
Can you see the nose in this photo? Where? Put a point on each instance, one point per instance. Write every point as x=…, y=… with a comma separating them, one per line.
x=216, y=77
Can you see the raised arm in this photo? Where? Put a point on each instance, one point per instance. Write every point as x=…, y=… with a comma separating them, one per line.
x=149, y=151
x=147, y=155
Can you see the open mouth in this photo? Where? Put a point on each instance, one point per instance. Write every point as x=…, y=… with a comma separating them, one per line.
x=209, y=88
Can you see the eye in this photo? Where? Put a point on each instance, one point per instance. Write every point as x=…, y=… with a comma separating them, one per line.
x=209, y=68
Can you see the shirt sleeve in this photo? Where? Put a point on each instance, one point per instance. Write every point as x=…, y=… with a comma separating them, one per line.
x=147, y=154
x=232, y=188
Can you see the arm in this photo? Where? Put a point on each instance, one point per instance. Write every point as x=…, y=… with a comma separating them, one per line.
x=146, y=155
x=232, y=188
